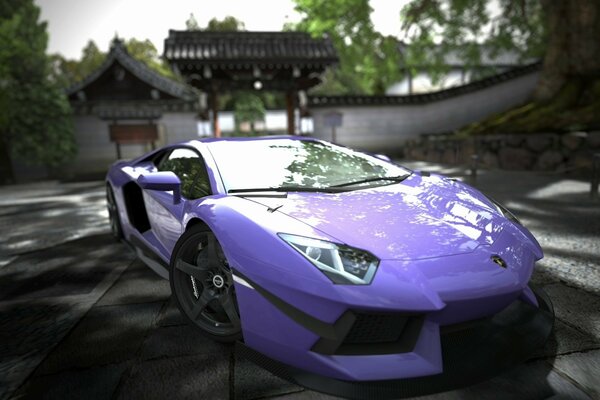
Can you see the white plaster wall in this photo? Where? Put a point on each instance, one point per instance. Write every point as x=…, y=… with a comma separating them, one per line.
x=384, y=128
x=275, y=120
x=179, y=127
x=96, y=152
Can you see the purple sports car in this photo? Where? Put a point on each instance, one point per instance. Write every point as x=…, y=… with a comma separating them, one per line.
x=335, y=269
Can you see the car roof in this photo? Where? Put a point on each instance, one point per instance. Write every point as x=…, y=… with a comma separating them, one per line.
x=252, y=138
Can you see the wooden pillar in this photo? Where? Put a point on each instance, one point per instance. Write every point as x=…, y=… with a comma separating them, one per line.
x=290, y=102
x=215, y=113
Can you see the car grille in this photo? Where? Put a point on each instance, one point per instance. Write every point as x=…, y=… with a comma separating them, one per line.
x=363, y=333
x=376, y=328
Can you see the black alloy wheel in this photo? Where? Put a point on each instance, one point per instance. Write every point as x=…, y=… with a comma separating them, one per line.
x=202, y=283
x=113, y=214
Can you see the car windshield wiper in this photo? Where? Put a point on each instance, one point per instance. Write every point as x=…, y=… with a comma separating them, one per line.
x=289, y=189
x=394, y=179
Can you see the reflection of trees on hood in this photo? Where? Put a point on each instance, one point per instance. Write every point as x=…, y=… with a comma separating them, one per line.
x=317, y=165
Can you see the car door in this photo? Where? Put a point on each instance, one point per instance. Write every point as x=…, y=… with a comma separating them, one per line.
x=165, y=217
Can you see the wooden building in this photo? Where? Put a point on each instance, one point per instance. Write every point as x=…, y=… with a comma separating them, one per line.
x=218, y=62
x=124, y=108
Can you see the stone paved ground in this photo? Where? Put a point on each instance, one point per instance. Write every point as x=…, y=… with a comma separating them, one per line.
x=81, y=318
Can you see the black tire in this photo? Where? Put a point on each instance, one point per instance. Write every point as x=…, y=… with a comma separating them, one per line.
x=202, y=285
x=113, y=214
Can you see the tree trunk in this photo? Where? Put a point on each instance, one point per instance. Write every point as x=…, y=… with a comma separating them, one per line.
x=573, y=50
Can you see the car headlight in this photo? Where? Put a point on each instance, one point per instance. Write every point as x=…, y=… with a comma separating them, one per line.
x=504, y=211
x=342, y=264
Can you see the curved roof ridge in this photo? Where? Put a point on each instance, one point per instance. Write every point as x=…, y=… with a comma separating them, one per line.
x=339, y=100
x=119, y=53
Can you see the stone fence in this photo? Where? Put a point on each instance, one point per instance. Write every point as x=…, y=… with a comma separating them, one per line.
x=542, y=151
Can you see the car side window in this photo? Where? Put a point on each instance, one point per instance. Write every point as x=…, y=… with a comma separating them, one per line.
x=189, y=167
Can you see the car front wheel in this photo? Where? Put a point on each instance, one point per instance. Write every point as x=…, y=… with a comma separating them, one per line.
x=202, y=284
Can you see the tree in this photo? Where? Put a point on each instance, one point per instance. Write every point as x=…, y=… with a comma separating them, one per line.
x=248, y=108
x=369, y=61
x=192, y=24
x=91, y=59
x=228, y=23
x=145, y=51
x=35, y=116
x=566, y=34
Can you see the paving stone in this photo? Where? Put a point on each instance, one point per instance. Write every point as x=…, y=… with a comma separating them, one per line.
x=170, y=315
x=530, y=381
x=138, y=284
x=15, y=369
x=576, y=307
x=182, y=340
x=566, y=339
x=583, y=368
x=72, y=268
x=253, y=382
x=106, y=335
x=29, y=327
x=306, y=395
x=33, y=219
x=203, y=376
x=94, y=383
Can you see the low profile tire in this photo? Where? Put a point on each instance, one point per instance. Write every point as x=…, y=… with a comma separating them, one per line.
x=202, y=285
x=113, y=214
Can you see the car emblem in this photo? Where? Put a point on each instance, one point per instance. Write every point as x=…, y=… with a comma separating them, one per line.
x=218, y=281
x=499, y=261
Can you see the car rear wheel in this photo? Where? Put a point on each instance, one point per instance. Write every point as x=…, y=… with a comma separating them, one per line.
x=113, y=214
x=202, y=284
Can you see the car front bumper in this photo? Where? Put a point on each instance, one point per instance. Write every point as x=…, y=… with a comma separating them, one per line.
x=470, y=353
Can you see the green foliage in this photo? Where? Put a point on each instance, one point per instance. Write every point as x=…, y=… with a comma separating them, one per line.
x=249, y=108
x=35, y=116
x=144, y=51
x=436, y=28
x=192, y=24
x=228, y=23
x=67, y=72
x=192, y=173
x=368, y=60
x=575, y=107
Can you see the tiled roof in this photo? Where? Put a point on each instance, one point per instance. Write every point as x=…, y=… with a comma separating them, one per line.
x=364, y=100
x=119, y=53
x=234, y=48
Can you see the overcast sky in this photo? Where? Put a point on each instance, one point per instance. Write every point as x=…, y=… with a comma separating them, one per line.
x=71, y=23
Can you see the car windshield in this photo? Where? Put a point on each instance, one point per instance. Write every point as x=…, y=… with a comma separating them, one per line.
x=299, y=164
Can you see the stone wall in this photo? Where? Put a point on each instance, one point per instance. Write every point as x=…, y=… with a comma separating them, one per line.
x=542, y=151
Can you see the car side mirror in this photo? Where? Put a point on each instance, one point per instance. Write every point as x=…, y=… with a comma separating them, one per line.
x=163, y=181
x=383, y=157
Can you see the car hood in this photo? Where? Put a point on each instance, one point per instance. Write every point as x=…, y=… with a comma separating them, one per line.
x=421, y=217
